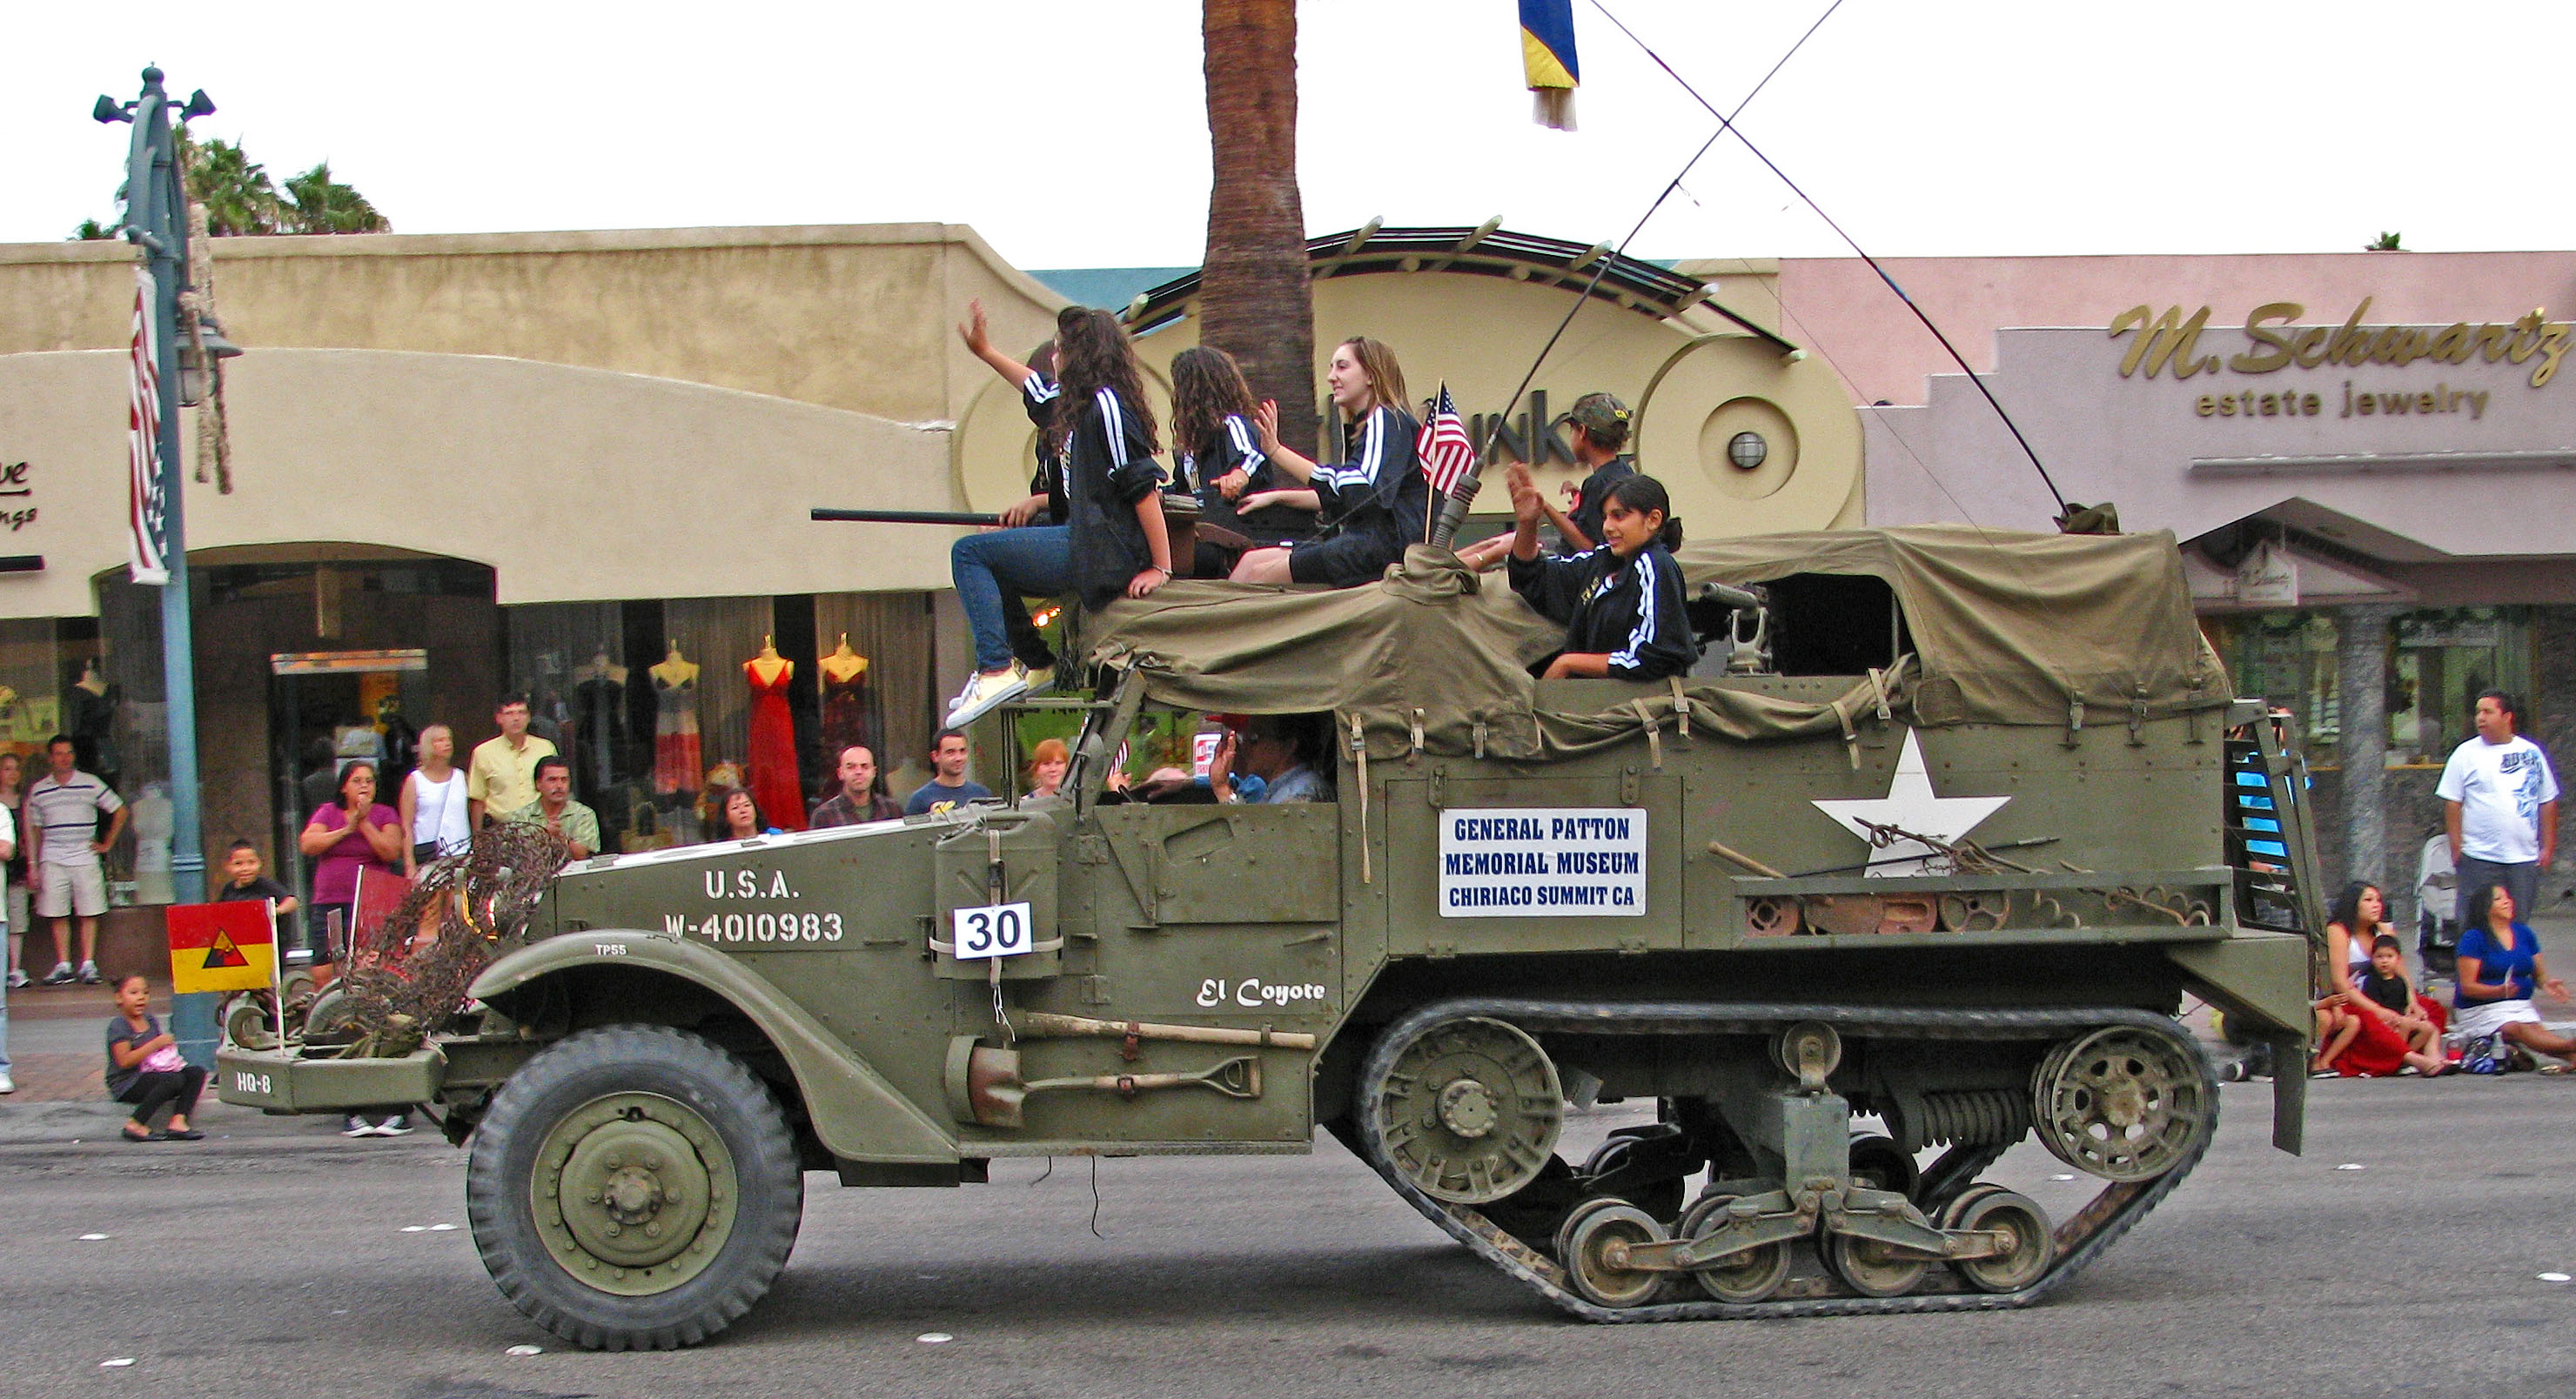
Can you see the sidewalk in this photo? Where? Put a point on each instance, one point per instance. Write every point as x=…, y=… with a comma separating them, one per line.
x=57, y=1041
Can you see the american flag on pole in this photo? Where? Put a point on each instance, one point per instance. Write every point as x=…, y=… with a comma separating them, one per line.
x=1444, y=447
x=145, y=518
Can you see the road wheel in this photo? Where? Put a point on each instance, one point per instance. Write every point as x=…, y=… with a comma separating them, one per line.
x=1594, y=1244
x=1749, y=1276
x=634, y=1188
x=1871, y=1268
x=2032, y=1246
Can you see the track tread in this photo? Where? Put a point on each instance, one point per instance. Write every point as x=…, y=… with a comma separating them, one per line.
x=1641, y=1017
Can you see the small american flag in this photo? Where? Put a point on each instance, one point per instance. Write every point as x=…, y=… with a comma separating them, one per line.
x=1444, y=447
x=147, y=512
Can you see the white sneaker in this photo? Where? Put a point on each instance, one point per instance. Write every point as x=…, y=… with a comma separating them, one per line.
x=357, y=1126
x=398, y=1125
x=89, y=973
x=17, y=978
x=985, y=691
x=8, y=1084
x=1041, y=680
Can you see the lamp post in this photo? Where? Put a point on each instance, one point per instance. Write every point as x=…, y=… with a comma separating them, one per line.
x=156, y=221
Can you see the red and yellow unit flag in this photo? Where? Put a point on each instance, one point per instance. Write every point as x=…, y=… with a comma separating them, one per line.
x=1548, y=62
x=222, y=947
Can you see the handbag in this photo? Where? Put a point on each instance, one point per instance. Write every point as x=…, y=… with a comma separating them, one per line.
x=164, y=1060
x=424, y=851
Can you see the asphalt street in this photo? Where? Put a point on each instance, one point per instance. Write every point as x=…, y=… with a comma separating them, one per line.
x=2400, y=1255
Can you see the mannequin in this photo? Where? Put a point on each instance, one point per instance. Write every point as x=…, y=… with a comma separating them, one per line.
x=775, y=782
x=91, y=719
x=845, y=701
x=844, y=664
x=676, y=764
x=599, y=709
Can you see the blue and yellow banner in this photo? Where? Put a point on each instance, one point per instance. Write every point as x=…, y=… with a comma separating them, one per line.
x=1547, y=60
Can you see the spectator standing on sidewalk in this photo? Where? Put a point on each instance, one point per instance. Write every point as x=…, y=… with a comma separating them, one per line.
x=13, y=795
x=501, y=777
x=144, y=1067
x=357, y=833
x=2500, y=806
x=8, y=850
x=60, y=821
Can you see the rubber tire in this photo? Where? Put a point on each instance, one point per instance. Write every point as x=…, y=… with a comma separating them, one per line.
x=769, y=1185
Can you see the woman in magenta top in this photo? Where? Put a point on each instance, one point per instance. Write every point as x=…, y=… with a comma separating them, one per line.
x=357, y=833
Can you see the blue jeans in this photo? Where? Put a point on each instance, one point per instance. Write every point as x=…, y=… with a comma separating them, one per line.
x=994, y=571
x=2520, y=880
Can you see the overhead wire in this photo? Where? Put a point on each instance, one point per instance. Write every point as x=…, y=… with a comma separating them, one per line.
x=1726, y=124
x=1584, y=297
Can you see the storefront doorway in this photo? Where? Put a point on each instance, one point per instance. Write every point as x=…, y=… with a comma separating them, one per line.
x=327, y=710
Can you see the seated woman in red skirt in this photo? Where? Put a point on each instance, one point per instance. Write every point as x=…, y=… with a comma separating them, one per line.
x=2386, y=1038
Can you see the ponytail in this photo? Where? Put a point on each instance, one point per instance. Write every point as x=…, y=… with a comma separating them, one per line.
x=1646, y=496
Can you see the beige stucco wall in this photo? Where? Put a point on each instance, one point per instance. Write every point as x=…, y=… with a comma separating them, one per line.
x=852, y=317
x=1480, y=334
x=573, y=483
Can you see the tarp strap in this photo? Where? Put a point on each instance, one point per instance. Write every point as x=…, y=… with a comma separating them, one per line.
x=1654, y=734
x=2074, y=720
x=1878, y=687
x=1480, y=739
x=1681, y=705
x=1851, y=734
x=1417, y=737
x=1359, y=752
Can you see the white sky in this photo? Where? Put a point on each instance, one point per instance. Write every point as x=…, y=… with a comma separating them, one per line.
x=1074, y=134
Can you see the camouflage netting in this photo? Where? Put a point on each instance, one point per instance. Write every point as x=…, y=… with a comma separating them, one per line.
x=409, y=972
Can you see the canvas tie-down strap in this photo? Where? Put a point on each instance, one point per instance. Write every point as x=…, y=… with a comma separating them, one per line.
x=1359, y=754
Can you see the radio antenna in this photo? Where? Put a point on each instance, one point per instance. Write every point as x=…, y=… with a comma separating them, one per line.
x=1726, y=124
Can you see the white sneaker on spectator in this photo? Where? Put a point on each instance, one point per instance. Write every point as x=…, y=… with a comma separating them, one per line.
x=398, y=1125
x=358, y=1127
x=17, y=978
x=7, y=1084
x=89, y=974
x=61, y=975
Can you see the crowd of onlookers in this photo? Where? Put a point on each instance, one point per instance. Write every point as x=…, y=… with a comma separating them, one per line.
x=2500, y=805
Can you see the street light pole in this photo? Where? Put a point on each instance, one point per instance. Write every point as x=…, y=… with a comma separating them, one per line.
x=156, y=221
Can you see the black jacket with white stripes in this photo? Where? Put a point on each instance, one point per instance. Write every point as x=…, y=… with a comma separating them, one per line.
x=1238, y=447
x=1631, y=610
x=1038, y=397
x=1380, y=489
x=1108, y=466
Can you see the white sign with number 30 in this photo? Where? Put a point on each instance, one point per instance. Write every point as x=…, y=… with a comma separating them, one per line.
x=1001, y=930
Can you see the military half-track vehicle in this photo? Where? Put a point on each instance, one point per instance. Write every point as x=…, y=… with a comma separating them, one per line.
x=1949, y=850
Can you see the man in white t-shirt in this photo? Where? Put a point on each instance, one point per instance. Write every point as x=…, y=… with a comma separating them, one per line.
x=2500, y=805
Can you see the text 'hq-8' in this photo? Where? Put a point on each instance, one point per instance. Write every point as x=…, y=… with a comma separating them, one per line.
x=1942, y=833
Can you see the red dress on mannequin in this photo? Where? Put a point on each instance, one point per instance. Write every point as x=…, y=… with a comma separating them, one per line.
x=774, y=781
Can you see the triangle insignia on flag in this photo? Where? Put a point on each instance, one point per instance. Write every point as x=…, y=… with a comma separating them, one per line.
x=225, y=953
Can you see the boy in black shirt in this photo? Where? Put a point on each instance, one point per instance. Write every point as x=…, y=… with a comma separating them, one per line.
x=2387, y=986
x=242, y=863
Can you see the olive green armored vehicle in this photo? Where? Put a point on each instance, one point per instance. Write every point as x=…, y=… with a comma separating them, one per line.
x=1925, y=860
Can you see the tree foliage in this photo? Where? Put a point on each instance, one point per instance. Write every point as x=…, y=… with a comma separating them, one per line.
x=242, y=201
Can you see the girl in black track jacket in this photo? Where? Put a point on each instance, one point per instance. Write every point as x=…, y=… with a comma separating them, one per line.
x=1622, y=602
x=1375, y=502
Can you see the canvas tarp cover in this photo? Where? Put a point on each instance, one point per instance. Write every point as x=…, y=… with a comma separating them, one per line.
x=2012, y=627
x=2007, y=626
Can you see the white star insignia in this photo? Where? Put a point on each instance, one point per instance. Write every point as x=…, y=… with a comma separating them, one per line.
x=1911, y=804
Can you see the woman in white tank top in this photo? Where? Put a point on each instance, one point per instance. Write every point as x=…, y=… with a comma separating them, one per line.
x=433, y=802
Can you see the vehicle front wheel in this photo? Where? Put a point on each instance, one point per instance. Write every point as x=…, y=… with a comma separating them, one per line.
x=634, y=1188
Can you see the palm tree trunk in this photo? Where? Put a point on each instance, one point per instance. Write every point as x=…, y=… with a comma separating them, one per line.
x=1254, y=300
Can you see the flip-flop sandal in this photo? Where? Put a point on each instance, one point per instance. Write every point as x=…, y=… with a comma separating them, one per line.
x=184, y=1134
x=2553, y=1069
x=155, y=1135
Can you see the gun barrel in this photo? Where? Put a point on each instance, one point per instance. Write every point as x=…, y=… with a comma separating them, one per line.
x=905, y=517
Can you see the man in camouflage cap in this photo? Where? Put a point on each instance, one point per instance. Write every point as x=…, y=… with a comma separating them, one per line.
x=1600, y=424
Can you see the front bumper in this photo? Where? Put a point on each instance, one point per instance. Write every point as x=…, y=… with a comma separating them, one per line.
x=281, y=1081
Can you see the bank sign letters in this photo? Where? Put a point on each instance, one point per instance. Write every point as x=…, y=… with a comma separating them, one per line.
x=1543, y=862
x=2170, y=343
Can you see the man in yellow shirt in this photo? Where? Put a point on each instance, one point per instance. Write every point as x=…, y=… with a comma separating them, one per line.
x=502, y=776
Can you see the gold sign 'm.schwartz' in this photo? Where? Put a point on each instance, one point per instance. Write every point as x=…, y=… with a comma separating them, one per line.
x=2172, y=341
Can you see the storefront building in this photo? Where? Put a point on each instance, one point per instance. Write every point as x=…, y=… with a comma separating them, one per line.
x=579, y=465
x=2370, y=460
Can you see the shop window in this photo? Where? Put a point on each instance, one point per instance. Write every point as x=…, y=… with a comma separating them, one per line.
x=2439, y=660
